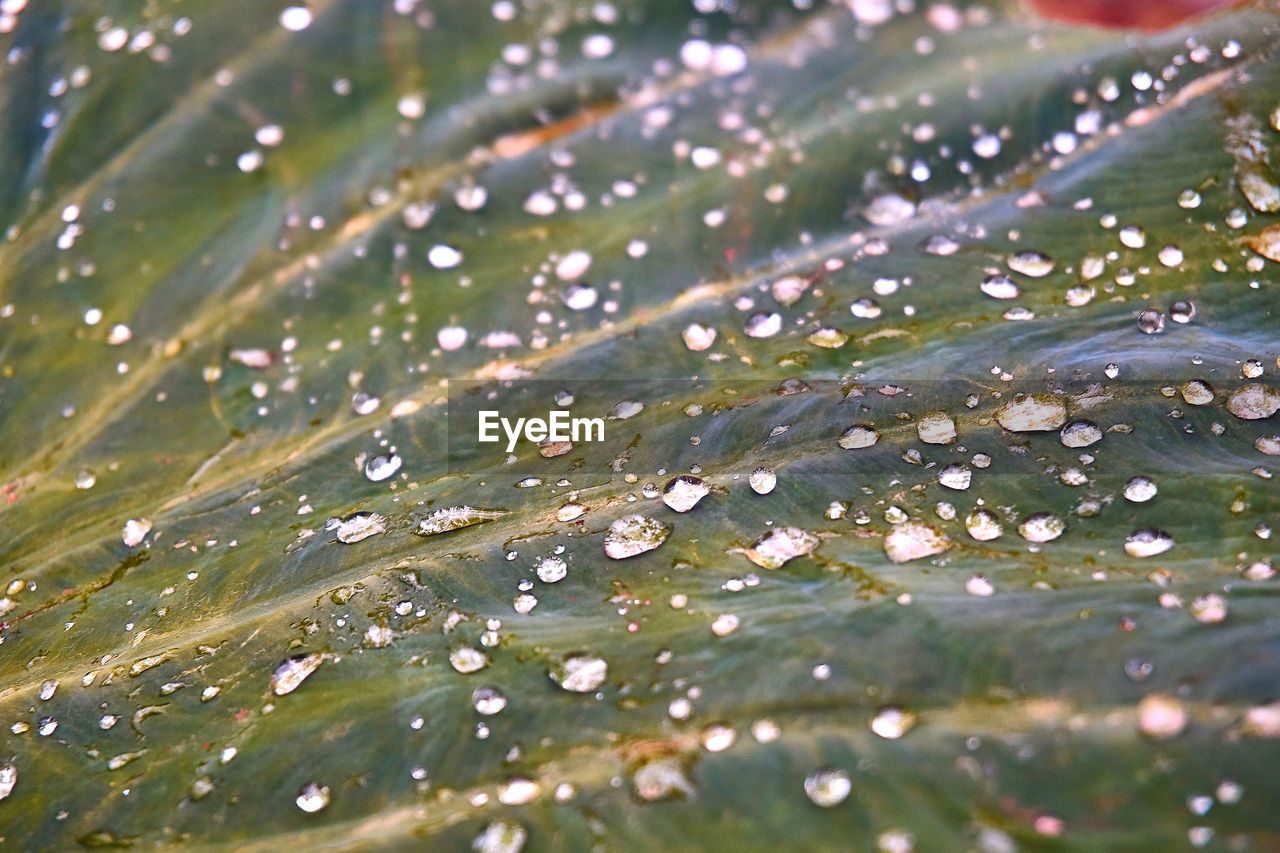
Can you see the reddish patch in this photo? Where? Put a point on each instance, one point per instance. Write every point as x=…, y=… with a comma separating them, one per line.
x=243, y=714
x=730, y=255
x=1128, y=14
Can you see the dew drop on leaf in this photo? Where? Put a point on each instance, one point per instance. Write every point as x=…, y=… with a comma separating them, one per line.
x=634, y=534
x=827, y=787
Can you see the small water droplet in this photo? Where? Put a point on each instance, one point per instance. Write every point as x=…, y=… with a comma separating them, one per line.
x=763, y=480
x=579, y=672
x=780, y=545
x=634, y=534
x=381, y=467
x=683, y=493
x=827, y=787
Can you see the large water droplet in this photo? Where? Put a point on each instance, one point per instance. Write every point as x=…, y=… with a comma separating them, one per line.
x=1147, y=542
x=778, y=546
x=380, y=468
x=857, y=437
x=312, y=797
x=456, y=518
x=683, y=493
x=293, y=671
x=914, y=540
x=579, y=672
x=1253, y=401
x=360, y=526
x=1041, y=527
x=1032, y=413
x=983, y=525
x=763, y=481
x=936, y=428
x=634, y=534
x=827, y=787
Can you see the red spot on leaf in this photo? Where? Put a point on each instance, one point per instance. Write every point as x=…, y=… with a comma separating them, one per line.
x=1128, y=14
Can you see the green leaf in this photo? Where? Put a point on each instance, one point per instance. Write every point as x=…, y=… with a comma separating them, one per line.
x=883, y=281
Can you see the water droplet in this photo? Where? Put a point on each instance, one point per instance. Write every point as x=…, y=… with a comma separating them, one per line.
x=1133, y=237
x=718, y=737
x=1034, y=264
x=500, y=836
x=764, y=325
x=914, y=540
x=999, y=287
x=955, y=476
x=295, y=18
x=1253, y=401
x=1150, y=321
x=1140, y=489
x=865, y=308
x=1147, y=542
x=987, y=146
x=1161, y=716
x=579, y=672
x=8, y=779
x=1209, y=609
x=763, y=480
x=312, y=797
x=661, y=778
x=1197, y=392
x=683, y=493
x=827, y=787
x=698, y=338
x=551, y=569
x=293, y=671
x=828, y=338
x=936, y=428
x=780, y=545
x=857, y=437
x=1189, y=199
x=380, y=468
x=467, y=660
x=361, y=526
x=573, y=265
x=1080, y=433
x=634, y=534
x=788, y=289
x=892, y=723
x=443, y=257
x=1041, y=527
x=488, y=700
x=135, y=530
x=888, y=210
x=1032, y=413
x=983, y=525
x=456, y=518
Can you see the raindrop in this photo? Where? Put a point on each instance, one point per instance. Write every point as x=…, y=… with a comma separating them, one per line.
x=1034, y=264
x=135, y=530
x=892, y=723
x=380, y=468
x=955, y=476
x=1032, y=413
x=983, y=525
x=1161, y=716
x=914, y=540
x=1140, y=490
x=1151, y=321
x=579, y=672
x=293, y=671
x=1253, y=401
x=827, y=787
x=293, y=19
x=889, y=209
x=999, y=287
x=763, y=480
x=1182, y=311
x=312, y=797
x=467, y=660
x=858, y=436
x=361, y=526
x=762, y=325
x=683, y=493
x=500, y=836
x=488, y=700
x=1147, y=542
x=1197, y=392
x=936, y=428
x=551, y=569
x=1080, y=433
x=634, y=534
x=1041, y=527
x=781, y=545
